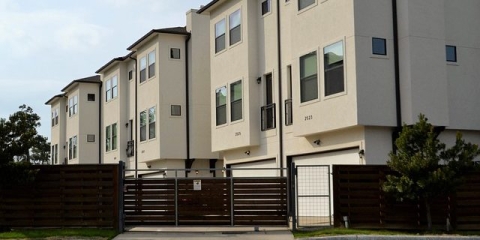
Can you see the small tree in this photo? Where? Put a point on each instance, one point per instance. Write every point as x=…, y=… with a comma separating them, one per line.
x=427, y=169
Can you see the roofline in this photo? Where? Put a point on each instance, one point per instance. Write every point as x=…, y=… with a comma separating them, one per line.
x=155, y=31
x=204, y=8
x=56, y=96
x=119, y=59
x=83, y=80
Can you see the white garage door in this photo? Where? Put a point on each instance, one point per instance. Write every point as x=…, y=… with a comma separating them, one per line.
x=314, y=185
x=265, y=168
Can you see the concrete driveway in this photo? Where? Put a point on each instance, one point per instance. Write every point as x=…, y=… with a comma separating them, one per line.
x=206, y=233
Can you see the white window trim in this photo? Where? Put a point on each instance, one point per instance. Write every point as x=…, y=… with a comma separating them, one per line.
x=319, y=71
x=308, y=8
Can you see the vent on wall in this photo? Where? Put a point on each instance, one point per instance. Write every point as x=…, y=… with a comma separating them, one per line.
x=176, y=110
x=90, y=137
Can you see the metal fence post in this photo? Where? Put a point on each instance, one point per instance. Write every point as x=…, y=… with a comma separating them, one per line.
x=121, y=218
x=293, y=175
x=232, y=223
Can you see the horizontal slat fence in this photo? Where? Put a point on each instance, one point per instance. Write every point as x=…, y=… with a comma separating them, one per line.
x=254, y=201
x=64, y=196
x=358, y=194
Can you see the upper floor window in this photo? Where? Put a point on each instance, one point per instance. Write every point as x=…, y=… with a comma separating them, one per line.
x=151, y=64
x=54, y=154
x=236, y=101
x=451, y=53
x=111, y=88
x=333, y=64
x=143, y=69
x=308, y=77
x=130, y=75
x=265, y=7
x=221, y=105
x=143, y=126
x=72, y=147
x=304, y=3
x=175, y=53
x=111, y=137
x=379, y=46
x=151, y=123
x=220, y=36
x=235, y=20
x=72, y=106
x=91, y=97
x=55, y=116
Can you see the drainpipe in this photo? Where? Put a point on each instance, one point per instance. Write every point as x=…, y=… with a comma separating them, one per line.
x=135, y=125
x=187, y=98
x=397, y=75
x=280, y=102
x=100, y=123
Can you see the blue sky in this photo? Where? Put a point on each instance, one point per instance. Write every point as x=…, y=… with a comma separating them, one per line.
x=45, y=44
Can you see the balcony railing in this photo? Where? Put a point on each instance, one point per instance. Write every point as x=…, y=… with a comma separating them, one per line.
x=131, y=148
x=288, y=112
x=268, y=117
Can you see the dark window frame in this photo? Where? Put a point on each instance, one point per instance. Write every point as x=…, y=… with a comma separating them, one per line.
x=220, y=108
x=449, y=58
x=330, y=71
x=236, y=104
x=379, y=49
x=266, y=7
x=175, y=53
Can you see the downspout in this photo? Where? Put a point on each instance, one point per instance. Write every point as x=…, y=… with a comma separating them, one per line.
x=280, y=102
x=100, y=123
x=135, y=125
x=187, y=99
x=397, y=75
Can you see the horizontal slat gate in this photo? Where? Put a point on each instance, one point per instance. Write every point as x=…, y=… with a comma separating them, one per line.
x=255, y=201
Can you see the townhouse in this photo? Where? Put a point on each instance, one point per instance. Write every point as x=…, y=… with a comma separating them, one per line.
x=331, y=82
x=153, y=109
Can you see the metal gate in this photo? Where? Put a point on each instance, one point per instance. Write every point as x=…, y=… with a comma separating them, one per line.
x=205, y=201
x=312, y=196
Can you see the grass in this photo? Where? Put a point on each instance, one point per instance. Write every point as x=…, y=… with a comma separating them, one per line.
x=345, y=231
x=45, y=233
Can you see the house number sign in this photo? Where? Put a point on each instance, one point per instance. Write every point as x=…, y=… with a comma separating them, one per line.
x=197, y=185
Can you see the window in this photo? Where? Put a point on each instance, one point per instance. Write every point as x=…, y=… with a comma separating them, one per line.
x=111, y=88
x=55, y=155
x=304, y=3
x=91, y=97
x=176, y=110
x=288, y=101
x=379, y=46
x=451, y=53
x=265, y=7
x=235, y=21
x=175, y=53
x=90, y=137
x=151, y=64
x=130, y=75
x=236, y=101
x=151, y=123
x=55, y=117
x=221, y=105
x=143, y=69
x=72, y=106
x=220, y=36
x=268, y=110
x=333, y=63
x=72, y=147
x=308, y=77
x=143, y=126
x=108, y=138
x=114, y=136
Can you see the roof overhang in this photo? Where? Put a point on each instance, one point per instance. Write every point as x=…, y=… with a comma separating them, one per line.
x=93, y=79
x=154, y=32
x=111, y=62
x=54, y=98
x=210, y=6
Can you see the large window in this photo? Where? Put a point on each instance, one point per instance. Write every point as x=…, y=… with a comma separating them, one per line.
x=72, y=147
x=333, y=63
x=451, y=53
x=72, y=106
x=308, y=77
x=304, y=3
x=236, y=101
x=143, y=69
x=220, y=36
x=143, y=126
x=235, y=27
x=111, y=88
x=221, y=105
x=151, y=123
x=111, y=137
x=151, y=64
x=55, y=117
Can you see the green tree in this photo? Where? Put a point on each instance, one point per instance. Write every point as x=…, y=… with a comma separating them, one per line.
x=426, y=168
x=41, y=150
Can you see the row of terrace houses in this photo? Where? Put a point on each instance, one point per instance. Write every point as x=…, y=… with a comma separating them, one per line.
x=263, y=83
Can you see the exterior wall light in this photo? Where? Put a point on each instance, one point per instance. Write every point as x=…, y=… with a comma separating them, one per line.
x=259, y=80
x=247, y=152
x=317, y=142
x=361, y=153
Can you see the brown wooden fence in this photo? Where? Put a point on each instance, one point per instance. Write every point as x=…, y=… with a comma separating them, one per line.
x=253, y=201
x=64, y=196
x=358, y=195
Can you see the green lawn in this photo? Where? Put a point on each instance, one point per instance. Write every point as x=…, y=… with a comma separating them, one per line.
x=344, y=231
x=45, y=233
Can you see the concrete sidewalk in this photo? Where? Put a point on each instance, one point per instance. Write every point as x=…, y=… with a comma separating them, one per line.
x=206, y=233
x=395, y=237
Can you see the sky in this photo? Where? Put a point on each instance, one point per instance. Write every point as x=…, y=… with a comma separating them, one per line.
x=46, y=44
